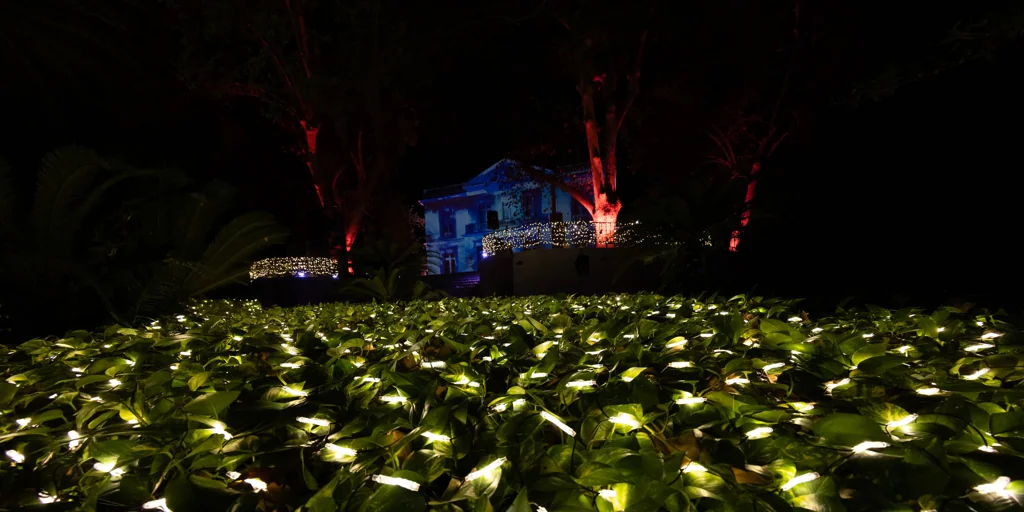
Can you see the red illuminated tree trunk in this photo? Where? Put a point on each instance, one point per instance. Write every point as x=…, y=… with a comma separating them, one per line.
x=604, y=102
x=748, y=201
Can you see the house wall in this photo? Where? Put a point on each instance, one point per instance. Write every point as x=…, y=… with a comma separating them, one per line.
x=464, y=207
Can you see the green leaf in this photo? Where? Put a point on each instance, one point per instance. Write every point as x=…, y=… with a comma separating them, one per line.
x=211, y=404
x=1006, y=422
x=849, y=429
x=196, y=381
x=521, y=503
x=867, y=352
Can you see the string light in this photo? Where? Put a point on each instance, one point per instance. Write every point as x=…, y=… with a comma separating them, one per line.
x=486, y=469
x=976, y=375
x=16, y=456
x=341, y=451
x=998, y=487
x=904, y=421
x=694, y=467
x=869, y=445
x=436, y=437
x=799, y=479
x=293, y=266
x=581, y=384
x=625, y=419
x=680, y=364
x=978, y=346
x=400, y=482
x=759, y=432
x=256, y=484
x=313, y=421
x=558, y=423
x=565, y=234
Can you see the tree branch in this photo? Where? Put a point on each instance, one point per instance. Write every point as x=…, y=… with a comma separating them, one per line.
x=634, y=79
x=538, y=175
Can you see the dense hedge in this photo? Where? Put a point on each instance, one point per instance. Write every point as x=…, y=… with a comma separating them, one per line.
x=615, y=403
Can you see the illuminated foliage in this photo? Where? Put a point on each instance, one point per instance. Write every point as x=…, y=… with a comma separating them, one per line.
x=635, y=402
x=294, y=267
x=576, y=233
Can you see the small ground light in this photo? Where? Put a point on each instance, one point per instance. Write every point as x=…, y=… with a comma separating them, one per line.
x=869, y=445
x=799, y=479
x=400, y=482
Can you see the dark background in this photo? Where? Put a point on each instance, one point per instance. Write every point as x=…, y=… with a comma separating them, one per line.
x=910, y=195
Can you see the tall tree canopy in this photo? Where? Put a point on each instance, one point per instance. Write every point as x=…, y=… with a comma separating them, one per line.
x=342, y=76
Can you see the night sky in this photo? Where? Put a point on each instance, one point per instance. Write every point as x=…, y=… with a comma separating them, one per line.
x=915, y=193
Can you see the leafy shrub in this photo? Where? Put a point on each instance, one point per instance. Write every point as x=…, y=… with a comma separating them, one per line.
x=615, y=403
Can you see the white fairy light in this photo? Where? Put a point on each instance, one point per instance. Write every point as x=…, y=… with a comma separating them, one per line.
x=829, y=386
x=722, y=351
x=928, y=391
x=816, y=330
x=74, y=439
x=436, y=437
x=289, y=349
x=799, y=479
x=400, y=482
x=256, y=484
x=433, y=364
x=236, y=338
x=769, y=367
x=500, y=407
x=990, y=335
x=691, y=400
x=185, y=353
x=218, y=428
x=978, y=346
x=609, y=496
x=706, y=334
x=341, y=451
x=795, y=319
x=998, y=487
x=694, y=467
x=160, y=504
x=371, y=379
x=77, y=370
x=290, y=365
x=114, y=383
x=294, y=392
x=987, y=449
x=23, y=422
x=595, y=352
x=16, y=456
x=233, y=475
x=759, y=432
x=940, y=329
x=313, y=421
x=129, y=362
x=868, y=335
x=902, y=422
x=976, y=375
x=677, y=343
x=103, y=467
x=680, y=364
x=46, y=499
x=394, y=399
x=495, y=464
x=904, y=349
x=558, y=423
x=581, y=384
x=737, y=380
x=535, y=375
x=625, y=419
x=174, y=367
x=869, y=445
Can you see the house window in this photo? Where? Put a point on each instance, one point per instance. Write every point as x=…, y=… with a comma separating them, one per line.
x=531, y=203
x=481, y=213
x=449, y=259
x=447, y=223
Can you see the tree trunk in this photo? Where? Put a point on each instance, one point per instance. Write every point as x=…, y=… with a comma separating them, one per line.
x=748, y=200
x=605, y=214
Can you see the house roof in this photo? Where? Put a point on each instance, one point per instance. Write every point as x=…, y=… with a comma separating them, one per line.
x=481, y=181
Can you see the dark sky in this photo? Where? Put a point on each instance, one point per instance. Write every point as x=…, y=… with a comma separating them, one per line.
x=912, y=191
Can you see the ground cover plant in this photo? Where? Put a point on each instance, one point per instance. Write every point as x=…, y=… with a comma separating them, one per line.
x=635, y=403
